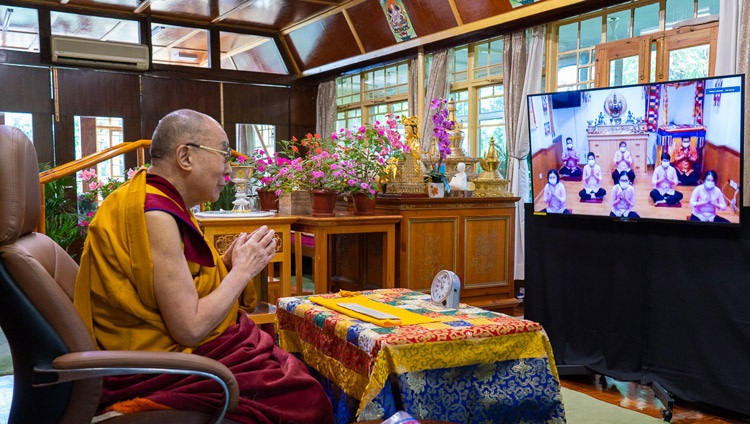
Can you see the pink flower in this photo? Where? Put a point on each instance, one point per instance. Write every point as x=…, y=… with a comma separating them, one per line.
x=131, y=172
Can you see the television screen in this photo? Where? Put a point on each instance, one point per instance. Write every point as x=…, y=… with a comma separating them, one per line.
x=666, y=151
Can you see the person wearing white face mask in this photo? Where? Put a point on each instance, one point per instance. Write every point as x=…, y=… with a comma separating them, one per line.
x=685, y=161
x=623, y=199
x=623, y=163
x=664, y=180
x=570, y=160
x=554, y=194
x=707, y=199
x=592, y=180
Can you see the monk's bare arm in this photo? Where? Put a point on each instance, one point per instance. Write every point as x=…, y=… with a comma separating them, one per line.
x=187, y=317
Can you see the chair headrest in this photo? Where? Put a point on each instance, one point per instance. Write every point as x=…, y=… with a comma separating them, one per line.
x=19, y=185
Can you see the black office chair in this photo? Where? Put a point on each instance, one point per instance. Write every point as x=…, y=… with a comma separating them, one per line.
x=57, y=367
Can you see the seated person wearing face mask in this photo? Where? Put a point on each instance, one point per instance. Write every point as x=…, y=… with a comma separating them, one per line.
x=570, y=160
x=592, y=180
x=707, y=199
x=623, y=198
x=554, y=194
x=623, y=162
x=664, y=180
x=685, y=157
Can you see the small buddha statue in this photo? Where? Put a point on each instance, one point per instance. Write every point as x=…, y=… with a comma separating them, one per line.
x=459, y=180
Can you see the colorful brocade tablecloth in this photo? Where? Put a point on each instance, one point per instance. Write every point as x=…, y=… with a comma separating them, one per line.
x=468, y=366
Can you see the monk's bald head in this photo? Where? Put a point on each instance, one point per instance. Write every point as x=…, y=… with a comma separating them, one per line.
x=179, y=127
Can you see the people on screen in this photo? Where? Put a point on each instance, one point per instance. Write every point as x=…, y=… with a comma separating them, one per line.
x=685, y=158
x=623, y=164
x=554, y=194
x=148, y=280
x=707, y=199
x=664, y=180
x=592, y=180
x=623, y=198
x=570, y=160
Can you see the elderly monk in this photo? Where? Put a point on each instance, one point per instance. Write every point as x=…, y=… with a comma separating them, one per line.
x=148, y=280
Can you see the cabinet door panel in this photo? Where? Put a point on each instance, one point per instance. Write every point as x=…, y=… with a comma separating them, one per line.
x=487, y=245
x=432, y=246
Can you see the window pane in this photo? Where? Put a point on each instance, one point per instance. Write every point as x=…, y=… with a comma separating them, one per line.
x=568, y=38
x=691, y=62
x=252, y=137
x=678, y=10
x=591, y=32
x=708, y=7
x=22, y=121
x=646, y=19
x=93, y=134
x=460, y=64
x=618, y=25
x=22, y=29
x=252, y=53
x=584, y=58
x=566, y=69
x=189, y=51
x=623, y=71
x=461, y=103
x=95, y=27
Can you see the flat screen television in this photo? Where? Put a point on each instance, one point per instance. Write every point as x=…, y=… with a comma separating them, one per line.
x=659, y=151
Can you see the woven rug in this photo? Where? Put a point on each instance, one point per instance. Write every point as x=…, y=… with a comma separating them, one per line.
x=584, y=409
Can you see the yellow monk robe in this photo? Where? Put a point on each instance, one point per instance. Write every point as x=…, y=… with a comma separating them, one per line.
x=114, y=290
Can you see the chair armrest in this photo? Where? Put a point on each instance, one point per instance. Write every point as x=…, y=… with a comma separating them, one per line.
x=97, y=364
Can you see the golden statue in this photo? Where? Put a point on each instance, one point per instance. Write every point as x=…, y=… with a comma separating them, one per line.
x=490, y=183
x=409, y=178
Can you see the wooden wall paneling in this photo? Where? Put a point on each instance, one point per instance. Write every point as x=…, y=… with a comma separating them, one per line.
x=64, y=139
x=430, y=16
x=302, y=110
x=164, y=95
x=322, y=42
x=723, y=160
x=372, y=25
x=45, y=148
x=473, y=10
x=25, y=89
x=543, y=161
x=256, y=104
x=86, y=92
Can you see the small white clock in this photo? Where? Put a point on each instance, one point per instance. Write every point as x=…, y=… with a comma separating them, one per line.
x=446, y=289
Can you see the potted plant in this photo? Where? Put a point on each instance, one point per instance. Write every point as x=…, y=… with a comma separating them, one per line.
x=316, y=165
x=264, y=168
x=440, y=148
x=371, y=152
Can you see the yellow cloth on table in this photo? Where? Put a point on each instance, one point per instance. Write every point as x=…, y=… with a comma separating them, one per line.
x=405, y=317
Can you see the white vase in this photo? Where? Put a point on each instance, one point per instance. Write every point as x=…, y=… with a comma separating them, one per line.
x=436, y=189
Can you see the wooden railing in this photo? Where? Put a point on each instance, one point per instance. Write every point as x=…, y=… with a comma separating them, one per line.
x=86, y=162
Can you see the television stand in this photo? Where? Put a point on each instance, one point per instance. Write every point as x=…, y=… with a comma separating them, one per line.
x=666, y=399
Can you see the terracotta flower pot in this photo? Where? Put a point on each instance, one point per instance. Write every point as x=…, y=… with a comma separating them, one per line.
x=363, y=205
x=322, y=202
x=268, y=199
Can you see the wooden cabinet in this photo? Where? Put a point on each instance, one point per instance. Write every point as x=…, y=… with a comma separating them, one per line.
x=222, y=231
x=606, y=141
x=473, y=237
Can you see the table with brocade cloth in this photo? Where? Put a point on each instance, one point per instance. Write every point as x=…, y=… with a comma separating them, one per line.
x=467, y=365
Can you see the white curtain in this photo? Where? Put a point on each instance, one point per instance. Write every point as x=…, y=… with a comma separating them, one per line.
x=437, y=86
x=522, y=75
x=326, y=109
x=414, y=85
x=728, y=41
x=743, y=66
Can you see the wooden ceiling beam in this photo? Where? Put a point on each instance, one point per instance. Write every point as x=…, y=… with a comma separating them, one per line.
x=334, y=11
x=354, y=31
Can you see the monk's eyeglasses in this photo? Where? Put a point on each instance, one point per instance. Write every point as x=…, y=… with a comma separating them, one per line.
x=226, y=153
